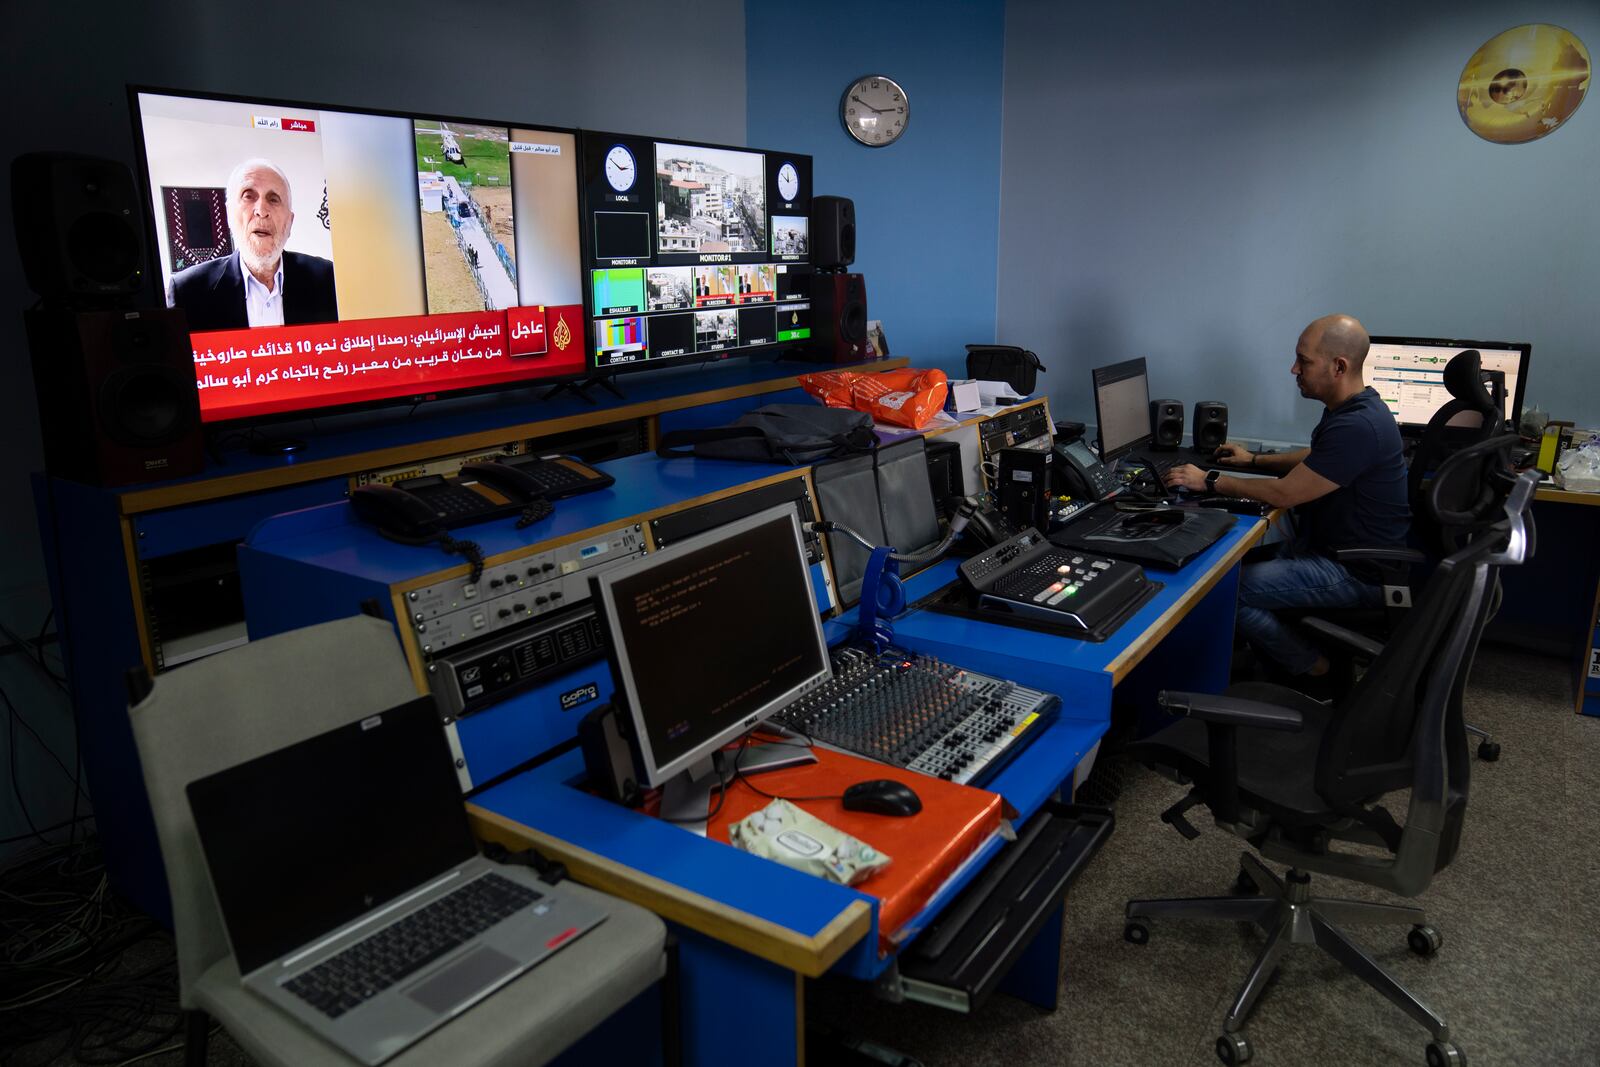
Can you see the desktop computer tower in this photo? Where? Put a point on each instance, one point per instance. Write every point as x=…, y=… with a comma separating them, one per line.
x=1023, y=488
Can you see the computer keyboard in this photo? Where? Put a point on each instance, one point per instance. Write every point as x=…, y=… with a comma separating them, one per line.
x=370, y=966
x=923, y=714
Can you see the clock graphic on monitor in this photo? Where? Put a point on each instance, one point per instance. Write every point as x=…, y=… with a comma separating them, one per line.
x=620, y=171
x=788, y=181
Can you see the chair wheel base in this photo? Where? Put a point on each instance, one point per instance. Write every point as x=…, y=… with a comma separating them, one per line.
x=1136, y=933
x=1234, y=1049
x=1425, y=941
x=1489, y=751
x=1444, y=1054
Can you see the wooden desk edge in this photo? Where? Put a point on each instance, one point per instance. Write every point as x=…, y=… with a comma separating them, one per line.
x=810, y=956
x=1566, y=496
x=1120, y=667
x=195, y=492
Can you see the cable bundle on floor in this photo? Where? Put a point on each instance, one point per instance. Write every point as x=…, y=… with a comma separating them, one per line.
x=82, y=974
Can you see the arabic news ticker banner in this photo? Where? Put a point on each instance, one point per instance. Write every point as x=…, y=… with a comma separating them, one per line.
x=275, y=369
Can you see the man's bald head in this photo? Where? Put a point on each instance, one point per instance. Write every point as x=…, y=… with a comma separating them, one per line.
x=1328, y=359
x=1336, y=336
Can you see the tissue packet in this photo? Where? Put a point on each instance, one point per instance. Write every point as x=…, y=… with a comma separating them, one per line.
x=782, y=832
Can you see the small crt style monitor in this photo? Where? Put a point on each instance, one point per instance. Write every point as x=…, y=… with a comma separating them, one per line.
x=1408, y=373
x=709, y=637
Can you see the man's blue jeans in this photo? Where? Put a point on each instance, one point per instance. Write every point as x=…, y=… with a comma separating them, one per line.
x=1294, y=582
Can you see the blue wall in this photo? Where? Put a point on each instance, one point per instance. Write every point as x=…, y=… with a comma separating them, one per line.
x=927, y=207
x=1193, y=183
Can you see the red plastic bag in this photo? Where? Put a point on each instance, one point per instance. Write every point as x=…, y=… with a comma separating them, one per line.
x=905, y=397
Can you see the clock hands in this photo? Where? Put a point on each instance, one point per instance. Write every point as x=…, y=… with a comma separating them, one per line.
x=869, y=107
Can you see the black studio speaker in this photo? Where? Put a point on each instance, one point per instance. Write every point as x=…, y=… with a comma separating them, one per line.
x=838, y=318
x=1210, y=424
x=80, y=230
x=833, y=232
x=1166, y=423
x=118, y=402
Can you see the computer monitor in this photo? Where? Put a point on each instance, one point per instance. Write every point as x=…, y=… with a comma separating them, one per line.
x=709, y=637
x=693, y=252
x=1122, y=409
x=1408, y=373
x=420, y=255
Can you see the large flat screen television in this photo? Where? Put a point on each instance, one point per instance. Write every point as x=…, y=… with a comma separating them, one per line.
x=328, y=258
x=692, y=251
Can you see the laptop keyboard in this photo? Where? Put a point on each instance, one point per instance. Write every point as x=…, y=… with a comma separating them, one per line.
x=368, y=967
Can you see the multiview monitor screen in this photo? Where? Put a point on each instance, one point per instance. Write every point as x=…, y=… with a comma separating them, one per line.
x=694, y=251
x=1408, y=373
x=327, y=257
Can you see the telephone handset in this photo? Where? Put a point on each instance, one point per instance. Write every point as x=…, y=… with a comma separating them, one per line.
x=397, y=514
x=520, y=486
x=1080, y=474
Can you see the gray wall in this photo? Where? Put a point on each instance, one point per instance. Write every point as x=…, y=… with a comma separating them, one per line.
x=669, y=68
x=1192, y=183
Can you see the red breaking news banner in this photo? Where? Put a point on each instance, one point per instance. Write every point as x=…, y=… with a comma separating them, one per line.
x=268, y=370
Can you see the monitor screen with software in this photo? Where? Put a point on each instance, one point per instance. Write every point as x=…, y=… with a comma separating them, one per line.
x=1122, y=408
x=693, y=669
x=1408, y=373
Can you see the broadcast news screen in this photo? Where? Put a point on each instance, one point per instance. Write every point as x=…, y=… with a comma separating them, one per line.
x=693, y=251
x=327, y=257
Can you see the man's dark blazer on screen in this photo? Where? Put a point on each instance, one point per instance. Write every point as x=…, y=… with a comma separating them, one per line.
x=212, y=293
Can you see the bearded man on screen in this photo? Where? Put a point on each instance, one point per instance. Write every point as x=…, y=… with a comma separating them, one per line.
x=260, y=284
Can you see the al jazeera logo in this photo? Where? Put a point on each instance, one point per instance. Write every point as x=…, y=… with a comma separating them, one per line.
x=1523, y=84
x=561, y=335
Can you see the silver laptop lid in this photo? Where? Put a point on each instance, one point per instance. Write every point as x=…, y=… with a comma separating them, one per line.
x=304, y=840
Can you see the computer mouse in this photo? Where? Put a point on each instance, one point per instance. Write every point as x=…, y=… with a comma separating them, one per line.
x=882, y=796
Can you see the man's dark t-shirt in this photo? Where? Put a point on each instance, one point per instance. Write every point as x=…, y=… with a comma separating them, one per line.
x=1357, y=447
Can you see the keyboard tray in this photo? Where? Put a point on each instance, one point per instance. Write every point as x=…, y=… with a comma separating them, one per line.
x=963, y=957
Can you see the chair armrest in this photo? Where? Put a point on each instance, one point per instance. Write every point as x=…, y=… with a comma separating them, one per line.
x=1349, y=638
x=1229, y=711
x=1391, y=555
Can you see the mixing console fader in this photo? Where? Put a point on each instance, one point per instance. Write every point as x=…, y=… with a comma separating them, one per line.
x=922, y=714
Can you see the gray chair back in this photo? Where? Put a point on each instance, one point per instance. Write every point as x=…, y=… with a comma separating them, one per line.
x=234, y=706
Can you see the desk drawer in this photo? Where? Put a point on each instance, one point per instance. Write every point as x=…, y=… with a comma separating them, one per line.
x=958, y=962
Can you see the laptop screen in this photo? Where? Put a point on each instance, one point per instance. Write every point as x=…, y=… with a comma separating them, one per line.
x=305, y=839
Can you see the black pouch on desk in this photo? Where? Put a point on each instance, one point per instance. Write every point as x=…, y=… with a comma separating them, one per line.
x=1125, y=535
x=1004, y=363
x=777, y=433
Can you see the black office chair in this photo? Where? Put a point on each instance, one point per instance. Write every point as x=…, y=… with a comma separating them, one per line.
x=1293, y=776
x=1472, y=415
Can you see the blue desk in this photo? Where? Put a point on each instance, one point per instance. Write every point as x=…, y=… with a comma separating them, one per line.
x=751, y=931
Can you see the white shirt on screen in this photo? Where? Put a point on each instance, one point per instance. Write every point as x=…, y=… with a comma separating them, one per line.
x=263, y=308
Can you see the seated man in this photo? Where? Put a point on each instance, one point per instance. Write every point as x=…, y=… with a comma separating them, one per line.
x=1349, y=488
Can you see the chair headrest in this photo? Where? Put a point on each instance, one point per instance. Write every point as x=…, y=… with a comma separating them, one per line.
x=1463, y=378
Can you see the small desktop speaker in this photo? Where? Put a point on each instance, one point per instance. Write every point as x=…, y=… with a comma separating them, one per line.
x=1210, y=424
x=118, y=402
x=1166, y=423
x=80, y=229
x=833, y=232
x=838, y=318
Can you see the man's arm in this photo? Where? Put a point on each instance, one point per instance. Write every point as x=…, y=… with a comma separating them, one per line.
x=1298, y=486
x=1234, y=454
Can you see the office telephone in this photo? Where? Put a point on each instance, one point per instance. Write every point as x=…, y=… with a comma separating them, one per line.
x=1079, y=474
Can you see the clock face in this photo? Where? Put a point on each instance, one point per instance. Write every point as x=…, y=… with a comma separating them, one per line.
x=875, y=110
x=788, y=182
x=620, y=171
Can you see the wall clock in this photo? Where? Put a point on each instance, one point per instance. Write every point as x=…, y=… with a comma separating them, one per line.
x=874, y=110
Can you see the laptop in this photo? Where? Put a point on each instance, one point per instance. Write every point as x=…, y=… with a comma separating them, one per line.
x=352, y=891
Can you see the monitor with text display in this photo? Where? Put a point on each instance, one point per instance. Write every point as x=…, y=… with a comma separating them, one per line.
x=1122, y=409
x=1408, y=373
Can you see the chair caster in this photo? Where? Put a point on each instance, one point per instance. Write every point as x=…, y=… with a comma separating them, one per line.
x=1136, y=933
x=1425, y=941
x=1234, y=1049
x=1488, y=751
x=1244, y=886
x=1444, y=1054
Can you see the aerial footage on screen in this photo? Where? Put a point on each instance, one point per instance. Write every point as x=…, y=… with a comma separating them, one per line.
x=326, y=257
